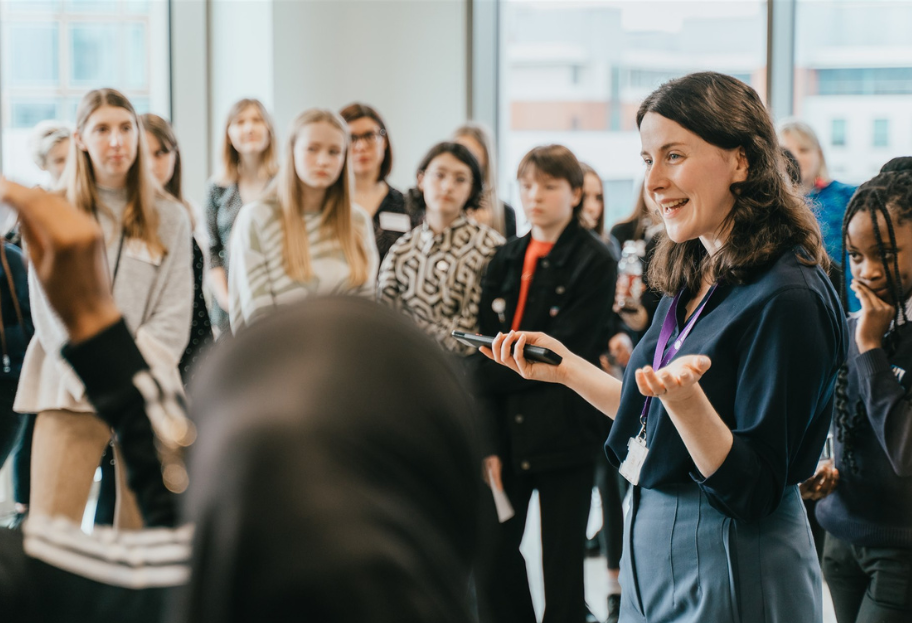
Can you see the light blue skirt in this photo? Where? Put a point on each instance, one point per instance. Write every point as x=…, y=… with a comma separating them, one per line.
x=684, y=562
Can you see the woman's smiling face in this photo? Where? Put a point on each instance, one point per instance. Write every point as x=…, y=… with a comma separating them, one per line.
x=689, y=179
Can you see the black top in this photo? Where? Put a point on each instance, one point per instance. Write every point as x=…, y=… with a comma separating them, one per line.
x=17, y=335
x=200, y=325
x=775, y=346
x=543, y=426
x=393, y=203
x=873, y=506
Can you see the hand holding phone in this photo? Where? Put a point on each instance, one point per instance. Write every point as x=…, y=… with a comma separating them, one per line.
x=532, y=353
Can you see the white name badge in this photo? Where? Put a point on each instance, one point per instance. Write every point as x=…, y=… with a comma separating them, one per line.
x=139, y=250
x=395, y=221
x=633, y=464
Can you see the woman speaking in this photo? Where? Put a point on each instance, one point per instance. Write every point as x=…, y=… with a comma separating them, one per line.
x=728, y=397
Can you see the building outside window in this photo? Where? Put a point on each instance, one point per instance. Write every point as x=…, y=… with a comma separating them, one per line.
x=575, y=73
x=854, y=58
x=881, y=136
x=838, y=135
x=54, y=51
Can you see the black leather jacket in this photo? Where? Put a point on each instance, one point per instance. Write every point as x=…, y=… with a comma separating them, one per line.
x=543, y=426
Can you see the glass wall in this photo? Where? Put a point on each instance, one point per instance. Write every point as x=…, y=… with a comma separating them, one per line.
x=853, y=81
x=53, y=51
x=575, y=73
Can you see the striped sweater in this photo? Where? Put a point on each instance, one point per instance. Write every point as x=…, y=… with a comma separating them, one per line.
x=257, y=280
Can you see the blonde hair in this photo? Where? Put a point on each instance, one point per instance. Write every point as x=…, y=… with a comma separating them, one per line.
x=140, y=219
x=287, y=192
x=231, y=159
x=489, y=199
x=806, y=134
x=45, y=137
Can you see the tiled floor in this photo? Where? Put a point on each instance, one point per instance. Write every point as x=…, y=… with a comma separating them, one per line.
x=596, y=570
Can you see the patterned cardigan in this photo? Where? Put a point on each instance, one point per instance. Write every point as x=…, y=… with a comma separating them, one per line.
x=436, y=278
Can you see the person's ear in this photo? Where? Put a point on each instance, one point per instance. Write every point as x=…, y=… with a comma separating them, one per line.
x=421, y=181
x=577, y=196
x=742, y=167
x=77, y=138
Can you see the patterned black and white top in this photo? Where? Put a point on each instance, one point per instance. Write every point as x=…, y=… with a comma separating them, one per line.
x=436, y=278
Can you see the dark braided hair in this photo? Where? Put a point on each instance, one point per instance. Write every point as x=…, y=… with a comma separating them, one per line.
x=888, y=194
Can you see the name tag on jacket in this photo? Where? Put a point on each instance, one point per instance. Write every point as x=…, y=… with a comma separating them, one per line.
x=395, y=221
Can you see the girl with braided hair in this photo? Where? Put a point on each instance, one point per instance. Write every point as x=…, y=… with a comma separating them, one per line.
x=867, y=558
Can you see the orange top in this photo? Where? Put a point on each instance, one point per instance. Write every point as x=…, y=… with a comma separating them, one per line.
x=535, y=251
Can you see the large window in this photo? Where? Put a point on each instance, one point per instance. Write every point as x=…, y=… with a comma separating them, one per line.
x=53, y=51
x=575, y=73
x=853, y=63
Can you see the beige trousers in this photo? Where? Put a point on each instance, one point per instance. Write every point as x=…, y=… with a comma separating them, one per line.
x=66, y=449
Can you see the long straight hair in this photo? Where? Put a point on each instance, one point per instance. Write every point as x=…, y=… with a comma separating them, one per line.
x=600, y=223
x=489, y=198
x=287, y=192
x=231, y=159
x=140, y=219
x=162, y=130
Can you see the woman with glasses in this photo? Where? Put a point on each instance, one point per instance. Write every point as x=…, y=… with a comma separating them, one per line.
x=371, y=162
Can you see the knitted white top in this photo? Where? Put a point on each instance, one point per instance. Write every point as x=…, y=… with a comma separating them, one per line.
x=154, y=294
x=257, y=280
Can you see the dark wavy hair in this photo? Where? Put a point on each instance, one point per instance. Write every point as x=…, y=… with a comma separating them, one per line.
x=768, y=218
x=415, y=198
x=889, y=195
x=356, y=111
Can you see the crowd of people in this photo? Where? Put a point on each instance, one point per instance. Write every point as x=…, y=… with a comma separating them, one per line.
x=351, y=461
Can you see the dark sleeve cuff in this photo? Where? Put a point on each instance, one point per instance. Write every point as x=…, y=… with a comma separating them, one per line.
x=873, y=362
x=730, y=475
x=107, y=362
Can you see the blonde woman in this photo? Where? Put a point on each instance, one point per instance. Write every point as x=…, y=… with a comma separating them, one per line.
x=249, y=162
x=491, y=211
x=827, y=197
x=50, y=145
x=147, y=237
x=305, y=237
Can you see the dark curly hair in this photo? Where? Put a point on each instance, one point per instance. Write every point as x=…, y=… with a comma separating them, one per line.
x=768, y=218
x=415, y=198
x=889, y=195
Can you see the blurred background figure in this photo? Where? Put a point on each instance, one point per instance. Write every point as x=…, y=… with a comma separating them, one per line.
x=249, y=162
x=593, y=214
x=827, y=197
x=491, y=211
x=148, y=251
x=371, y=163
x=165, y=158
x=316, y=502
x=50, y=145
x=304, y=237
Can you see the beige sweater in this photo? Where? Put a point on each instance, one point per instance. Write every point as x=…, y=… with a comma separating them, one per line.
x=155, y=296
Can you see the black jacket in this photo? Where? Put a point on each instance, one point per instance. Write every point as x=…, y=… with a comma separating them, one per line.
x=543, y=426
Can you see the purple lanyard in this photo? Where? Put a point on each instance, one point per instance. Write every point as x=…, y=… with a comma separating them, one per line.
x=661, y=359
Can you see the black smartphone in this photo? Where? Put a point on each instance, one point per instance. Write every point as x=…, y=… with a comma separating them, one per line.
x=532, y=353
